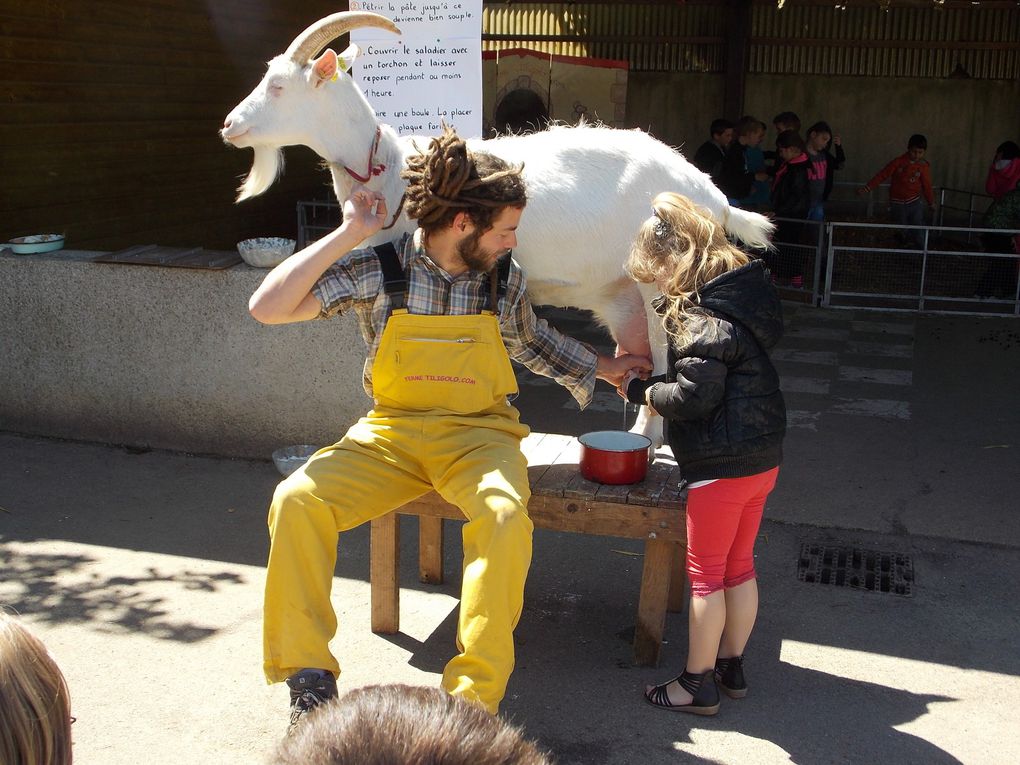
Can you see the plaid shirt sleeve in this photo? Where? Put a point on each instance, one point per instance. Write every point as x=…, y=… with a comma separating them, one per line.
x=541, y=348
x=353, y=279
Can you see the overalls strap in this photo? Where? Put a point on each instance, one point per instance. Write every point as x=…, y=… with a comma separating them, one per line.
x=498, y=278
x=394, y=278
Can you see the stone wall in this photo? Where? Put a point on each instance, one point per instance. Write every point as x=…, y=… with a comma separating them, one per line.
x=167, y=358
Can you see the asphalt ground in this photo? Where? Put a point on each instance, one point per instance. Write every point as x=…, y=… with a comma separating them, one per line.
x=143, y=572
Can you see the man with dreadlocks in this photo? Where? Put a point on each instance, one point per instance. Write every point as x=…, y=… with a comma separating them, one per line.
x=440, y=337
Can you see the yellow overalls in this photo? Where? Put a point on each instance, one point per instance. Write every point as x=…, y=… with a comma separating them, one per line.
x=441, y=420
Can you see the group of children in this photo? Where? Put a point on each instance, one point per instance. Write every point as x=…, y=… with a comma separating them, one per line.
x=794, y=181
x=797, y=183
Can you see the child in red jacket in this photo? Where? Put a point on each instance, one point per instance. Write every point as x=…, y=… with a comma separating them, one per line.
x=910, y=176
x=1004, y=173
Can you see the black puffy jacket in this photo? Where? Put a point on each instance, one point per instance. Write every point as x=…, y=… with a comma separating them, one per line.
x=724, y=413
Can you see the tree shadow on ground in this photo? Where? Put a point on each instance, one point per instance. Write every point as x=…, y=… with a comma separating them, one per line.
x=60, y=588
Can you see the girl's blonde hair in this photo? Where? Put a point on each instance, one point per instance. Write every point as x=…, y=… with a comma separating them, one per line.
x=681, y=248
x=35, y=707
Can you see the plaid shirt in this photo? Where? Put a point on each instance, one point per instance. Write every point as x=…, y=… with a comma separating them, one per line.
x=356, y=282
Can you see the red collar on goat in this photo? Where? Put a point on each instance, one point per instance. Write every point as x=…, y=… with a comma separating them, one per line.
x=372, y=169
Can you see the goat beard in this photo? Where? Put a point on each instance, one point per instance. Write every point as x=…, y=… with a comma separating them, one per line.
x=266, y=167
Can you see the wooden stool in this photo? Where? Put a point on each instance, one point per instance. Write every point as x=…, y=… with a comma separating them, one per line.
x=653, y=510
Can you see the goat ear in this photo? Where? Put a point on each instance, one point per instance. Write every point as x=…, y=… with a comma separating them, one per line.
x=346, y=59
x=325, y=67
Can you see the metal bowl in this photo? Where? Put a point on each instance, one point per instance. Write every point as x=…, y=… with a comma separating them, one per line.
x=614, y=456
x=265, y=251
x=27, y=245
x=290, y=458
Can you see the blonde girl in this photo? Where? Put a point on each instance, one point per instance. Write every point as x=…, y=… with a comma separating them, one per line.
x=725, y=420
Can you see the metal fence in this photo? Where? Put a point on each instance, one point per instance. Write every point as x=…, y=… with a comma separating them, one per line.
x=893, y=267
x=315, y=219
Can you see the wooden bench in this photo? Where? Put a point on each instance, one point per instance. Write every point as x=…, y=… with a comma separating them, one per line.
x=653, y=510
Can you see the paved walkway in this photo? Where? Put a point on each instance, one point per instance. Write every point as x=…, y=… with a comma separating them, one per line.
x=143, y=573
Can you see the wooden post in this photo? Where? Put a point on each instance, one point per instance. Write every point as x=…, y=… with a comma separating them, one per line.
x=651, y=616
x=738, y=44
x=384, y=572
x=430, y=549
x=678, y=580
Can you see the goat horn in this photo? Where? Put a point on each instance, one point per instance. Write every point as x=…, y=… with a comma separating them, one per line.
x=315, y=37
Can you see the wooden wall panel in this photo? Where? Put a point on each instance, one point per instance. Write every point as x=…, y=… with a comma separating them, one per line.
x=108, y=131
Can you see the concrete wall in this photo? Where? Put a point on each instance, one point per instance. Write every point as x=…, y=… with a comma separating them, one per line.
x=167, y=358
x=963, y=119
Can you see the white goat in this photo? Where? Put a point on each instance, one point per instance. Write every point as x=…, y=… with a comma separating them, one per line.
x=589, y=188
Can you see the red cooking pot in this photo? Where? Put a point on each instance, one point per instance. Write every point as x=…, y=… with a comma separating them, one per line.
x=614, y=456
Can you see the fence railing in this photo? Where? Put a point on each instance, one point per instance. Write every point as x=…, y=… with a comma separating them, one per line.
x=315, y=219
x=894, y=267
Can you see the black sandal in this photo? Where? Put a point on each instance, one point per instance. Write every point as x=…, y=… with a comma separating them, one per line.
x=729, y=675
x=705, y=699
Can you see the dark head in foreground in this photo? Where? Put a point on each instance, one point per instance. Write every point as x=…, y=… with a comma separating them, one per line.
x=410, y=725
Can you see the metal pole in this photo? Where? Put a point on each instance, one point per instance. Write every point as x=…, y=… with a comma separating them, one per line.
x=827, y=296
x=924, y=270
x=819, y=244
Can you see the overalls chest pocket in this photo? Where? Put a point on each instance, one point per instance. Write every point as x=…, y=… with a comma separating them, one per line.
x=443, y=364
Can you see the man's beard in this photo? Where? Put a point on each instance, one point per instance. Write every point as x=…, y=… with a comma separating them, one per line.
x=474, y=257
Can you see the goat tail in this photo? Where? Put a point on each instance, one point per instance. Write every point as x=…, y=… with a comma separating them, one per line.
x=751, y=228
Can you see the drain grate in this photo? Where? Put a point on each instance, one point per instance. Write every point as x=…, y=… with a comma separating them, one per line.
x=856, y=567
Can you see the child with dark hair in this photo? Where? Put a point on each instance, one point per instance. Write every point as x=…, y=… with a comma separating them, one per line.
x=709, y=156
x=791, y=198
x=910, y=176
x=388, y=724
x=822, y=164
x=1004, y=172
x=786, y=121
x=735, y=177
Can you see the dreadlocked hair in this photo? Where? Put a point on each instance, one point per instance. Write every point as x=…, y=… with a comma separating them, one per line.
x=681, y=248
x=448, y=179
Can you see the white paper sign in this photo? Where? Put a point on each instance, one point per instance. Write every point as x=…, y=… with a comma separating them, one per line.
x=431, y=73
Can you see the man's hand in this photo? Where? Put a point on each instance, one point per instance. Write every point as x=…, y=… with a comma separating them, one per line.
x=612, y=370
x=365, y=211
x=837, y=141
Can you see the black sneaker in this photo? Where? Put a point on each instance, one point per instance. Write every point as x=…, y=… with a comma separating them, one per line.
x=308, y=689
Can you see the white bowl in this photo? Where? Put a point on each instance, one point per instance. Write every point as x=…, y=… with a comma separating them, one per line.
x=27, y=245
x=266, y=251
x=290, y=458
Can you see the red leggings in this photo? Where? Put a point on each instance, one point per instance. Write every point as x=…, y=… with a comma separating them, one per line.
x=722, y=523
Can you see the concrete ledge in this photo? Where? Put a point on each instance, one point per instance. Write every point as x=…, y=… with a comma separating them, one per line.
x=167, y=358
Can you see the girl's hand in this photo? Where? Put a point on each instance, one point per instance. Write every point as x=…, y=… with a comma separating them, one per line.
x=628, y=377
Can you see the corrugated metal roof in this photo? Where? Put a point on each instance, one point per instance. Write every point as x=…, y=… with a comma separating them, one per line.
x=838, y=39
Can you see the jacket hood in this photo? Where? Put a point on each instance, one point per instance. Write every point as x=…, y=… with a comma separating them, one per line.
x=746, y=295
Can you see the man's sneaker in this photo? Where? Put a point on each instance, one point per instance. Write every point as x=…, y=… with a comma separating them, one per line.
x=308, y=689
